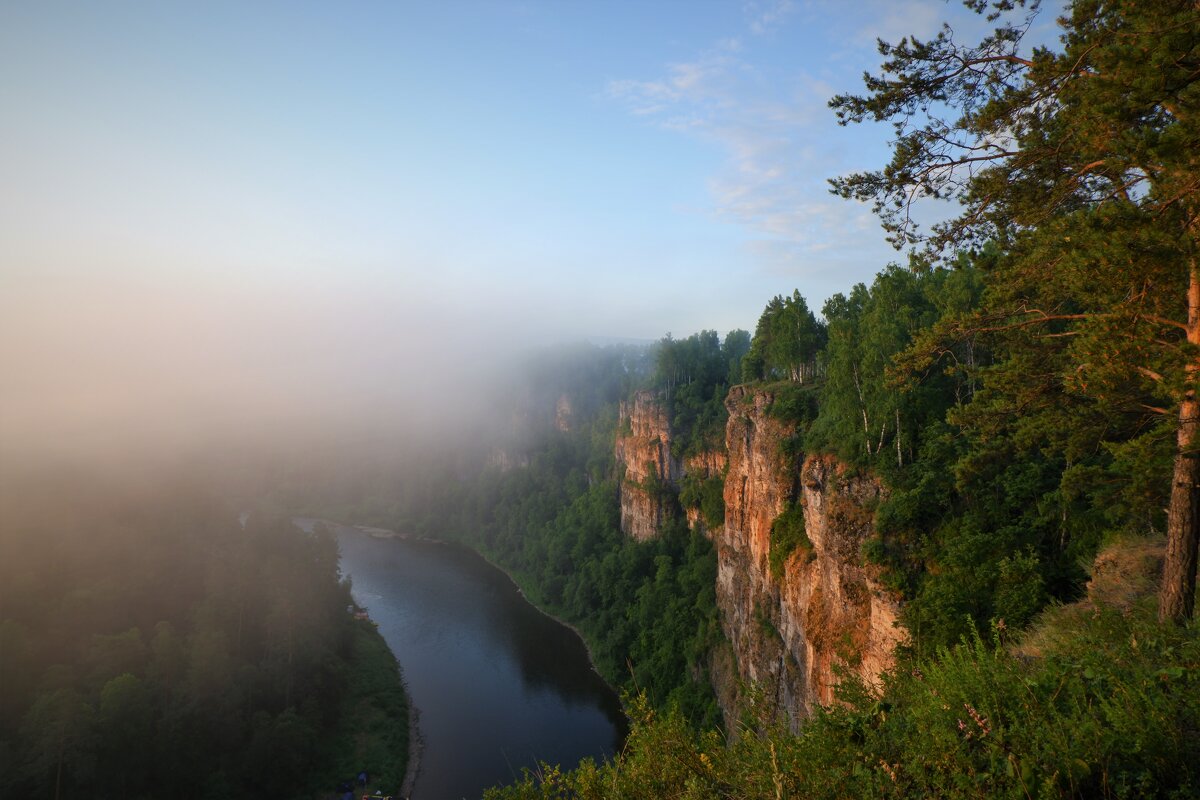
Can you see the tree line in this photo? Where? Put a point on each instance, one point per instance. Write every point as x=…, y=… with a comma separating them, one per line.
x=151, y=645
x=1025, y=386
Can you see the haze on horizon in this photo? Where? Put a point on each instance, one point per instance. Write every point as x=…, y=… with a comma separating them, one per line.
x=222, y=222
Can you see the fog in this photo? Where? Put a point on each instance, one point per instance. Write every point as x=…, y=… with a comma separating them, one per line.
x=122, y=369
x=230, y=226
x=261, y=228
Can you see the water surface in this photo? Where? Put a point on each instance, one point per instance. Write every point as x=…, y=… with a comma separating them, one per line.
x=499, y=685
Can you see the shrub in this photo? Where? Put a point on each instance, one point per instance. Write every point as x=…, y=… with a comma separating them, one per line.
x=787, y=534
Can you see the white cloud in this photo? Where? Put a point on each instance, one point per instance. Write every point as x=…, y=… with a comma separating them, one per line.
x=780, y=142
x=900, y=18
x=766, y=129
x=698, y=86
x=766, y=16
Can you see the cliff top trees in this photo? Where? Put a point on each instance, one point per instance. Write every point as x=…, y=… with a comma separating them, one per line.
x=694, y=375
x=863, y=415
x=1083, y=164
x=786, y=341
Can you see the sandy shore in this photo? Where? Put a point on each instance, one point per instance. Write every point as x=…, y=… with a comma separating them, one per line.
x=414, y=749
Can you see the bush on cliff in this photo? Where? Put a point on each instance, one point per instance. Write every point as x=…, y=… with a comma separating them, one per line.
x=1110, y=708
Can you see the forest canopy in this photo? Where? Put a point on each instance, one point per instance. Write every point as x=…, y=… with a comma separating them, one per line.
x=154, y=644
x=1081, y=166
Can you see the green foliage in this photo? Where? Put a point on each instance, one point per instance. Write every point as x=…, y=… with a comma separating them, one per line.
x=705, y=494
x=1020, y=588
x=787, y=534
x=625, y=427
x=659, y=490
x=1112, y=713
x=867, y=415
x=1079, y=162
x=648, y=610
x=736, y=346
x=158, y=647
x=372, y=727
x=693, y=375
x=786, y=342
x=794, y=403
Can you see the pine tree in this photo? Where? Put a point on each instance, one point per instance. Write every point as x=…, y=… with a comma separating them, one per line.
x=1082, y=163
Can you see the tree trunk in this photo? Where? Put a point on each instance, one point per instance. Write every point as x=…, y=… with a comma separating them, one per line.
x=862, y=406
x=1177, y=595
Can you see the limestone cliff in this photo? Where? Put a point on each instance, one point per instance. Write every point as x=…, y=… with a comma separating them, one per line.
x=643, y=448
x=789, y=628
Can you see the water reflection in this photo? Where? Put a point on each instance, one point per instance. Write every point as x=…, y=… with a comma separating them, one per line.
x=499, y=685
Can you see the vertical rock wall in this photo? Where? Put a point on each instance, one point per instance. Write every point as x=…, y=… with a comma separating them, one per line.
x=789, y=631
x=643, y=447
x=564, y=414
x=758, y=487
x=652, y=474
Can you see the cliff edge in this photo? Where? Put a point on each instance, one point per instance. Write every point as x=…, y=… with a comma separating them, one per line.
x=790, y=627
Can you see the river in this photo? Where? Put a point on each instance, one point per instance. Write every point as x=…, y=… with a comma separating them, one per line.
x=498, y=684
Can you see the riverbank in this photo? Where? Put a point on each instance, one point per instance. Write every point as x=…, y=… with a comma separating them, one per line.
x=368, y=735
x=587, y=646
x=414, y=750
x=502, y=685
x=376, y=728
x=385, y=533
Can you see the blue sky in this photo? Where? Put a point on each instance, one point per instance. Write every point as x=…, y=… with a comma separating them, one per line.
x=324, y=184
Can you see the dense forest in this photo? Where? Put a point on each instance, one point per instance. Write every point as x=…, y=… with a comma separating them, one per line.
x=153, y=644
x=543, y=506
x=1024, y=386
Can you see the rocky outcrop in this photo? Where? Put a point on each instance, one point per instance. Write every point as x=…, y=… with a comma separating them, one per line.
x=505, y=460
x=652, y=475
x=643, y=448
x=849, y=618
x=564, y=414
x=704, y=466
x=790, y=627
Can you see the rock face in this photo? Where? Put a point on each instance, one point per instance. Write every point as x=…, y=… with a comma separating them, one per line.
x=564, y=414
x=821, y=608
x=789, y=629
x=644, y=448
x=652, y=474
x=705, y=466
x=506, y=460
x=842, y=602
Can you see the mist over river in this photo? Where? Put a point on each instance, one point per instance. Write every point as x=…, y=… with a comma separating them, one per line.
x=499, y=685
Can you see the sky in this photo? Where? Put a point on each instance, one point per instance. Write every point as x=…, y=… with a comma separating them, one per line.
x=281, y=198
